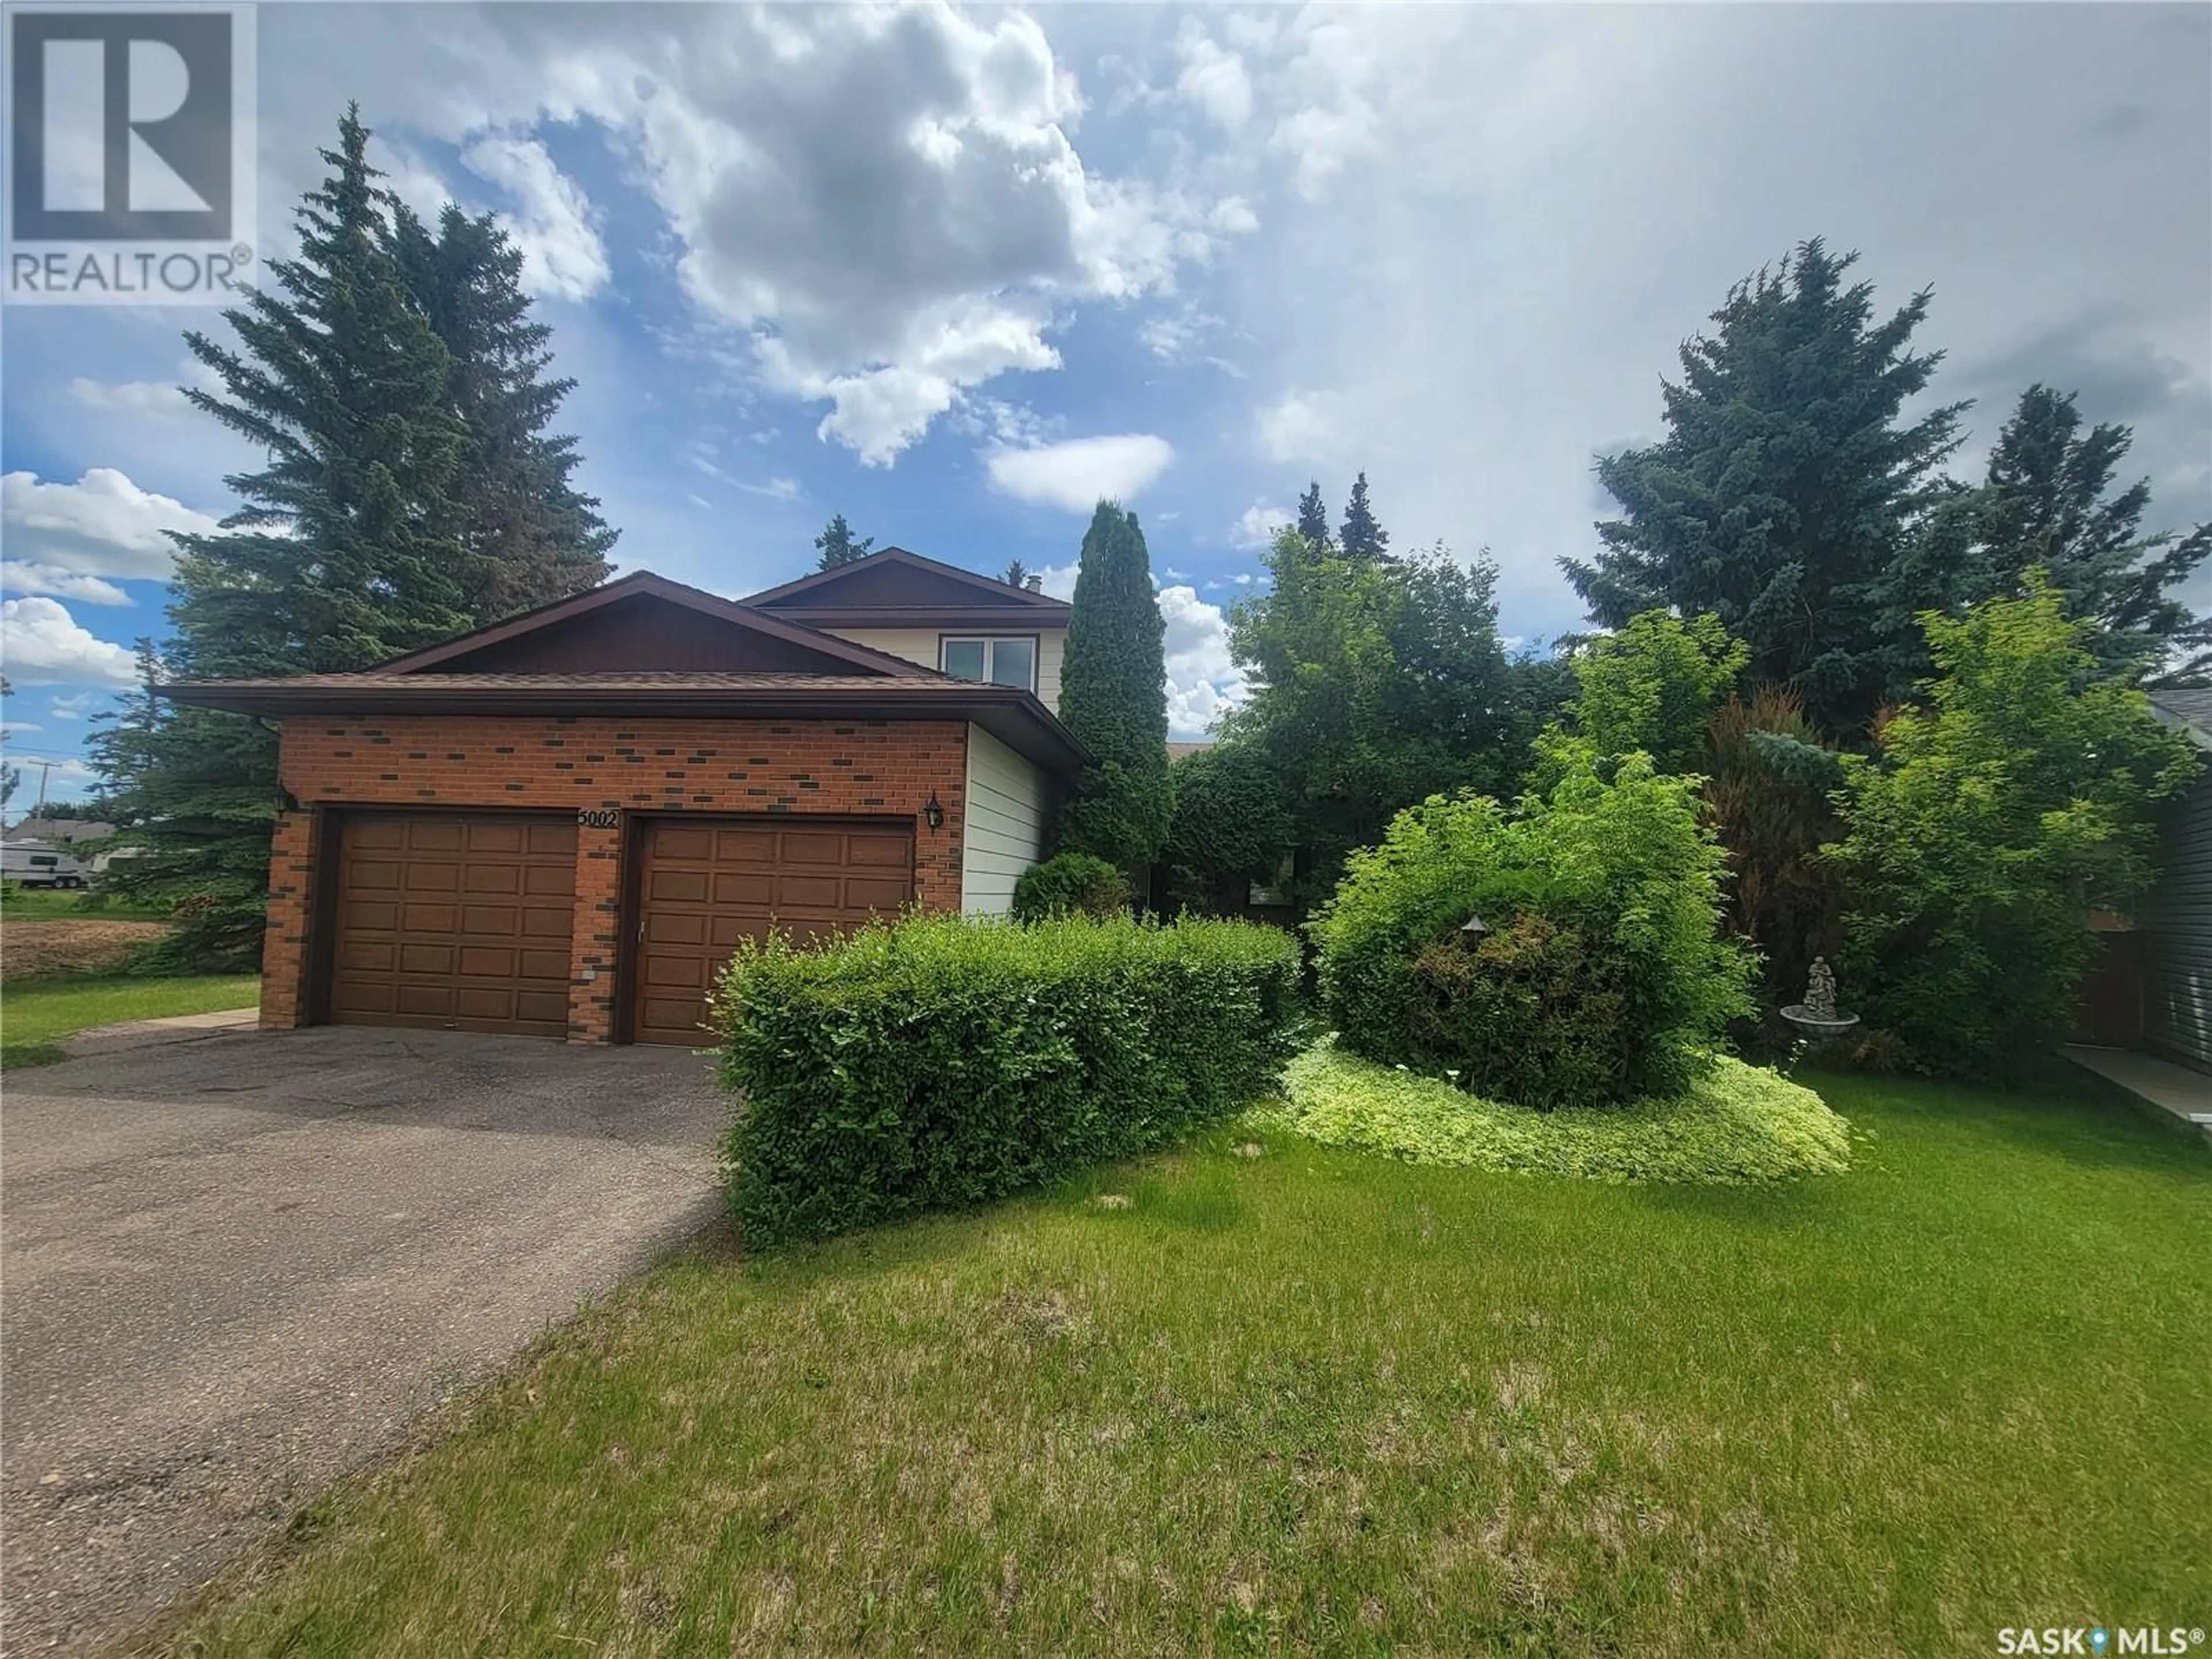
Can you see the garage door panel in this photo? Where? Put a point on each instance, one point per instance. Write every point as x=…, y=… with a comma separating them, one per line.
x=702, y=891
x=462, y=949
x=896, y=852
x=549, y=881
x=875, y=893
x=491, y=880
x=744, y=887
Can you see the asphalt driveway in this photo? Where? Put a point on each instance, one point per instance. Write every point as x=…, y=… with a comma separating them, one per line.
x=235, y=1266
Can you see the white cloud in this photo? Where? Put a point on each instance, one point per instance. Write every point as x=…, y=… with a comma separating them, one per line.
x=22, y=578
x=1081, y=472
x=103, y=524
x=1211, y=79
x=1304, y=426
x=1232, y=216
x=776, y=489
x=1258, y=525
x=41, y=644
x=129, y=397
x=1203, y=681
x=9, y=728
x=1058, y=580
x=77, y=705
x=562, y=254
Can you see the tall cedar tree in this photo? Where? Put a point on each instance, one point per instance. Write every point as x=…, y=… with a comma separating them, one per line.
x=1113, y=696
x=1361, y=538
x=2047, y=505
x=1313, y=516
x=838, y=545
x=1788, y=494
x=532, y=538
x=352, y=547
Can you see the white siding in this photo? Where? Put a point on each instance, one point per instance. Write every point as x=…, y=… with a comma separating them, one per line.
x=920, y=645
x=2179, y=922
x=1006, y=823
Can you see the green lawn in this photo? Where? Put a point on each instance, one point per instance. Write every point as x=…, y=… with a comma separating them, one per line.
x=35, y=1014
x=1309, y=1402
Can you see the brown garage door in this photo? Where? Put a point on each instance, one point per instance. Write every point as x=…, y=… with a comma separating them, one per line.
x=704, y=885
x=456, y=923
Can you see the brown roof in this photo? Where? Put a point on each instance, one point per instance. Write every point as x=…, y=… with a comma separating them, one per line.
x=896, y=584
x=547, y=619
x=1010, y=714
x=1177, y=751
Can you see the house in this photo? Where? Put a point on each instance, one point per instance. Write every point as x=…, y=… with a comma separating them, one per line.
x=563, y=823
x=2177, y=922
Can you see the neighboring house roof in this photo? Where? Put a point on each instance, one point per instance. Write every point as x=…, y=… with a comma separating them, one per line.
x=896, y=588
x=2190, y=709
x=61, y=829
x=662, y=623
x=1181, y=750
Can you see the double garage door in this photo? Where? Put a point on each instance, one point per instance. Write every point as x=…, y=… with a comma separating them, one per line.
x=465, y=922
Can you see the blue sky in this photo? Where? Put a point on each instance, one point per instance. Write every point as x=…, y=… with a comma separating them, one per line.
x=954, y=274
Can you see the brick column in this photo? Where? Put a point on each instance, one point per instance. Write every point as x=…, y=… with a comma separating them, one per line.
x=596, y=940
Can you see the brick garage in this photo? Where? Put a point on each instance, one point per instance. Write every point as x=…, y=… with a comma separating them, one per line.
x=814, y=786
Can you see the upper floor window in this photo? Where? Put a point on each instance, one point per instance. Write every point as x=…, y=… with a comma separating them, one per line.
x=995, y=662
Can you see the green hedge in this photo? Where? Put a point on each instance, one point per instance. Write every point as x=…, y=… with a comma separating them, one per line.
x=1070, y=884
x=941, y=1061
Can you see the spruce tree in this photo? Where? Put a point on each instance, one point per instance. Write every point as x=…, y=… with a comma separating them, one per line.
x=1788, y=487
x=532, y=538
x=1017, y=575
x=349, y=549
x=838, y=545
x=1313, y=516
x=1113, y=697
x=2047, y=505
x=1362, y=539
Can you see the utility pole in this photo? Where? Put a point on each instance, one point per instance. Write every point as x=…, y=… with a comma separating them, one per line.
x=45, y=767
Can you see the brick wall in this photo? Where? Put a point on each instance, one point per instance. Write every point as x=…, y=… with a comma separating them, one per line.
x=869, y=769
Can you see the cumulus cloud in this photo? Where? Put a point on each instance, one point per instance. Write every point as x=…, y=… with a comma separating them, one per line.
x=1058, y=580
x=1212, y=79
x=1258, y=525
x=1081, y=472
x=103, y=524
x=129, y=397
x=884, y=205
x=41, y=644
x=1203, y=681
x=552, y=222
x=1304, y=426
x=20, y=577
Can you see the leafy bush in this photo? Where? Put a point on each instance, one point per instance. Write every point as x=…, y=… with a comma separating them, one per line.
x=1733, y=1126
x=1769, y=777
x=1071, y=884
x=1623, y=864
x=1992, y=820
x=944, y=1061
x=1232, y=825
x=1534, y=1001
x=1653, y=686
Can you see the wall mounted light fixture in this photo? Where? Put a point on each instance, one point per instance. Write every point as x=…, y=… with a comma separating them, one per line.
x=933, y=815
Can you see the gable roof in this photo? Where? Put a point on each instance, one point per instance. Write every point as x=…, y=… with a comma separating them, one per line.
x=894, y=583
x=2188, y=707
x=548, y=620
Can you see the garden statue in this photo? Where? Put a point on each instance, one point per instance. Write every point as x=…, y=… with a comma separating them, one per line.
x=1817, y=1017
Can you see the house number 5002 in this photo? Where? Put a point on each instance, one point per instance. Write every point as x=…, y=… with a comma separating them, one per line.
x=598, y=817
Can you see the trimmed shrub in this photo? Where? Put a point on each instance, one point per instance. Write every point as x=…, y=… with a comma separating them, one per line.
x=1626, y=879
x=1071, y=884
x=943, y=1061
